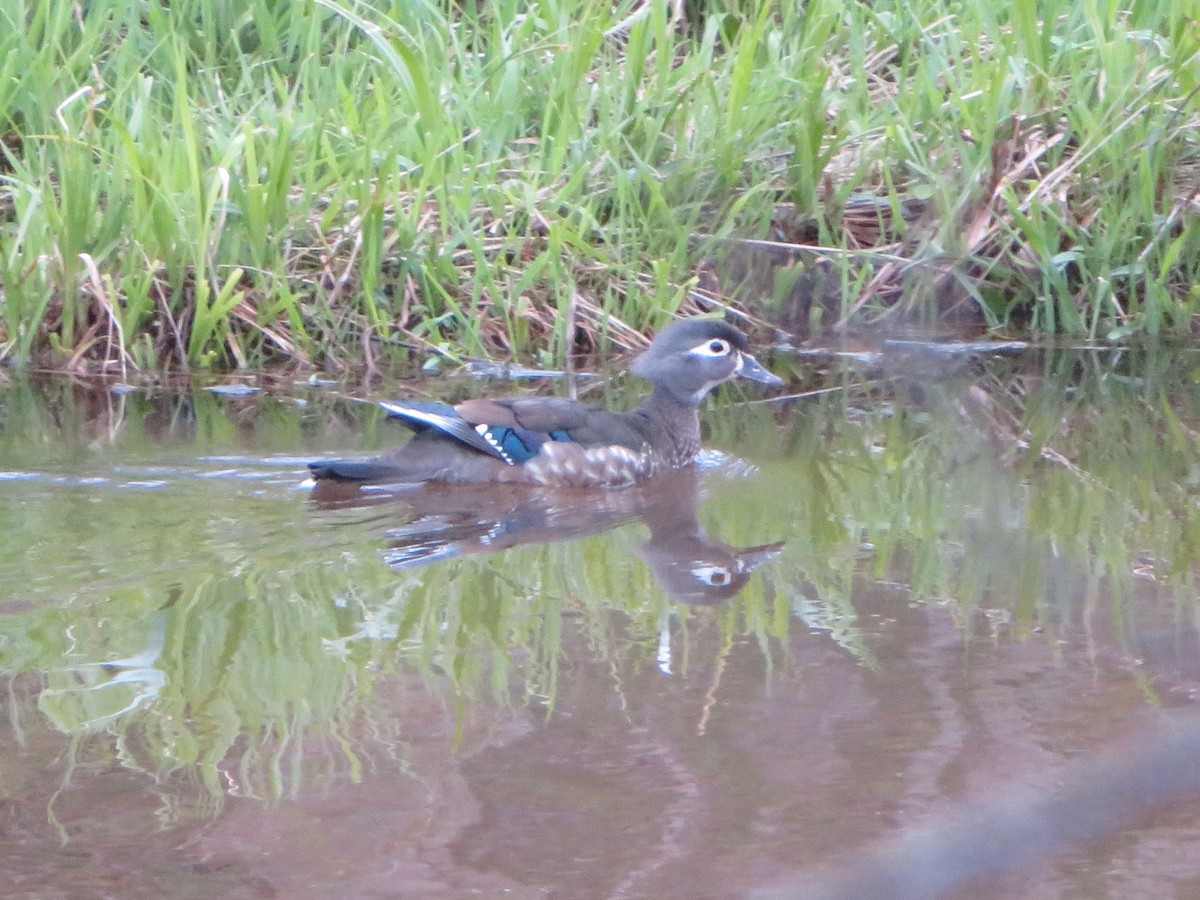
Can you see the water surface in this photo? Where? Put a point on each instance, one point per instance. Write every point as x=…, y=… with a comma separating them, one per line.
x=931, y=632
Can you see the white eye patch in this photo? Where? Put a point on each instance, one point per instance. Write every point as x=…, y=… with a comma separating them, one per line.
x=712, y=576
x=714, y=347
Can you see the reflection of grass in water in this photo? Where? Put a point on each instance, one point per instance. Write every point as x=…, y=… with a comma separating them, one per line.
x=493, y=627
x=245, y=690
x=238, y=645
x=264, y=680
x=1031, y=496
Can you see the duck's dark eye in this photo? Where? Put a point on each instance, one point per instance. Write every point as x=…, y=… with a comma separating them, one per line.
x=715, y=347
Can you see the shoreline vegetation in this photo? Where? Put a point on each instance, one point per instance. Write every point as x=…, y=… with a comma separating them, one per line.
x=209, y=184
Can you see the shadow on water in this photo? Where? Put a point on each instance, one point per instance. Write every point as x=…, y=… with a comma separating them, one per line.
x=939, y=640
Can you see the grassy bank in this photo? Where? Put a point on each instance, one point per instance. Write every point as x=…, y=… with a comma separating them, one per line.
x=211, y=183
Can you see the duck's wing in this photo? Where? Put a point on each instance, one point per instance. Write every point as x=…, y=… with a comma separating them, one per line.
x=517, y=428
x=514, y=429
x=445, y=419
x=535, y=420
x=509, y=430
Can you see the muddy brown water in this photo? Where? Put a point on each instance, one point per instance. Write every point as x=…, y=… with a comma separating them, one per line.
x=932, y=633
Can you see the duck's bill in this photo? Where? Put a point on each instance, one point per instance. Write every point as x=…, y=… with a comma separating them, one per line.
x=751, y=368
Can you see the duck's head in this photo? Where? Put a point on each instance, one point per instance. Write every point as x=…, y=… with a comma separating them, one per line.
x=690, y=357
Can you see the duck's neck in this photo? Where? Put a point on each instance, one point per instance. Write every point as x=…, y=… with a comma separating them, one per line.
x=673, y=426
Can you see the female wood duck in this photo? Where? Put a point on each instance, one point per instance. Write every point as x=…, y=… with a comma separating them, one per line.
x=550, y=441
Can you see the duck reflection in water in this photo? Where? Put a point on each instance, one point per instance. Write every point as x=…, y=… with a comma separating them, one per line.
x=445, y=521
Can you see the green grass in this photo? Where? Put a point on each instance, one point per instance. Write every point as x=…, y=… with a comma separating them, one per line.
x=210, y=183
